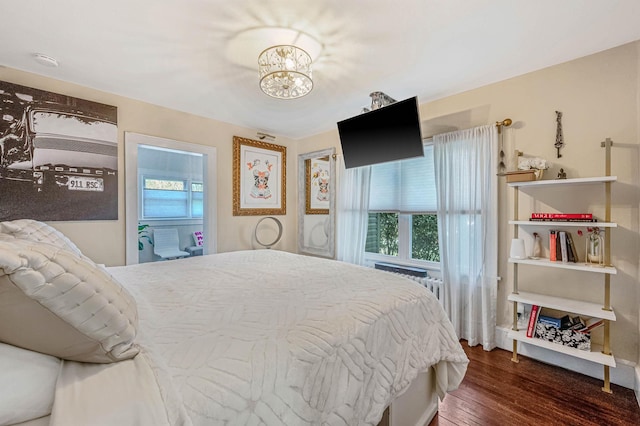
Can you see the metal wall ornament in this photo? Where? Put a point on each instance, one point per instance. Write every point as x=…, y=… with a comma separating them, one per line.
x=502, y=167
x=559, y=137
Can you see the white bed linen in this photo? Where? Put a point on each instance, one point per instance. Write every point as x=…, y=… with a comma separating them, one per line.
x=268, y=337
x=122, y=393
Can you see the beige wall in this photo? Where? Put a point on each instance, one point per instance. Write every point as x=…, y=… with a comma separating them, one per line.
x=104, y=241
x=638, y=253
x=598, y=96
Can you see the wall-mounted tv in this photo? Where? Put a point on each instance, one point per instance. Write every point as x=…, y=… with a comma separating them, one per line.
x=385, y=134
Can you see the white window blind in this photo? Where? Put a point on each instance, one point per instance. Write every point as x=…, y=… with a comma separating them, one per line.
x=171, y=198
x=405, y=186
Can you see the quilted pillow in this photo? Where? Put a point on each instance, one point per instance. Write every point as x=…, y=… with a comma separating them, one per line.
x=27, y=384
x=28, y=229
x=57, y=302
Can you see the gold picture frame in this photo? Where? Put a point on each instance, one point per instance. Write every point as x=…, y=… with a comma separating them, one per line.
x=259, y=178
x=316, y=185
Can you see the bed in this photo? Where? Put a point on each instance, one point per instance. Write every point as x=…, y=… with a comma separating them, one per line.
x=247, y=338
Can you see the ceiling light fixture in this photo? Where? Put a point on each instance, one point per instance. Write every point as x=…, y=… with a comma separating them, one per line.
x=285, y=72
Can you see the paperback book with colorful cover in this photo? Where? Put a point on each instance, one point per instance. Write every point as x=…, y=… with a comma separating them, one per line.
x=561, y=216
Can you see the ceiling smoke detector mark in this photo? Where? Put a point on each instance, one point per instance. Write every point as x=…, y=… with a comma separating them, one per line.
x=45, y=60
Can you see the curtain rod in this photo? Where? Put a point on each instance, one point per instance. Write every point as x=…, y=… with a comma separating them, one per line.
x=506, y=123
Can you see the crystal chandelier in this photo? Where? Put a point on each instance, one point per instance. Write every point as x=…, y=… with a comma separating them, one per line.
x=285, y=72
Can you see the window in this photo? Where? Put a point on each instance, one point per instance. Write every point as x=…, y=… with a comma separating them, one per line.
x=402, y=210
x=197, y=200
x=171, y=198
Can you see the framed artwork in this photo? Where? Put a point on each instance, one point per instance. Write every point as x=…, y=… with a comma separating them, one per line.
x=58, y=156
x=259, y=178
x=317, y=185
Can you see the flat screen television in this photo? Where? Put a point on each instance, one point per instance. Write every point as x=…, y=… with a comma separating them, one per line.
x=385, y=134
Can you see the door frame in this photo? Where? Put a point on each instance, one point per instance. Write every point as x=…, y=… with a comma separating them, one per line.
x=209, y=224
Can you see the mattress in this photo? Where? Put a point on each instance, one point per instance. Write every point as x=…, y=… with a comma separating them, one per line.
x=266, y=337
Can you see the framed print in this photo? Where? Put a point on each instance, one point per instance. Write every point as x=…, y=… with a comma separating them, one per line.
x=259, y=178
x=58, y=156
x=317, y=185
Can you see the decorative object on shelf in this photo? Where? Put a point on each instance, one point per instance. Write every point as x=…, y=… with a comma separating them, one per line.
x=539, y=173
x=519, y=176
x=502, y=167
x=517, y=249
x=594, y=246
x=285, y=72
x=260, y=230
x=570, y=338
x=562, y=174
x=559, y=138
x=537, y=164
x=536, y=250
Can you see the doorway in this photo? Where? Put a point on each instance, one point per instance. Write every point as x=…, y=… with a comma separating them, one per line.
x=169, y=184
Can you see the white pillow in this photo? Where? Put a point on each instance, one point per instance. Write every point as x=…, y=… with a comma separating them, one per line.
x=60, y=303
x=28, y=229
x=27, y=384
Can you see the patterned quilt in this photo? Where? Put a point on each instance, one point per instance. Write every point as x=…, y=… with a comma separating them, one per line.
x=273, y=338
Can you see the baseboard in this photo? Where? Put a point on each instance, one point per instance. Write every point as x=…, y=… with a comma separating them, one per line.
x=626, y=373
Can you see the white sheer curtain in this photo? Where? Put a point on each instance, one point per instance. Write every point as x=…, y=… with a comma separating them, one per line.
x=465, y=165
x=352, y=212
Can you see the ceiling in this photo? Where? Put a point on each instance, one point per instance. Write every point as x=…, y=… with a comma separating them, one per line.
x=177, y=53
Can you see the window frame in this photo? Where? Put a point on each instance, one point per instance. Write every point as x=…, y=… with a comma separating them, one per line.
x=404, y=239
x=188, y=182
x=404, y=246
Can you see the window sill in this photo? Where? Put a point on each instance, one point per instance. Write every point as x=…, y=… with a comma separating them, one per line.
x=371, y=258
x=169, y=222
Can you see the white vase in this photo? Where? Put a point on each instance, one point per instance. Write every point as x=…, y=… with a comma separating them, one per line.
x=536, y=250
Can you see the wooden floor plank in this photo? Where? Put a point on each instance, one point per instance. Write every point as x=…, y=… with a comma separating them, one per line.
x=497, y=391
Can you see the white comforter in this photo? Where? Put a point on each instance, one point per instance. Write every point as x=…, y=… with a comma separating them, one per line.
x=268, y=337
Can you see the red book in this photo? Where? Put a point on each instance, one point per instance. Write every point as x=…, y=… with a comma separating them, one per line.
x=533, y=319
x=538, y=219
x=561, y=216
x=552, y=246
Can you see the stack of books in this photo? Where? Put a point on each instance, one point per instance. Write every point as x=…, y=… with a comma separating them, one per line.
x=561, y=247
x=567, y=330
x=562, y=217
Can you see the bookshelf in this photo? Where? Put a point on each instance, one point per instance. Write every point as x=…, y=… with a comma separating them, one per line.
x=562, y=224
x=556, y=182
x=567, y=265
x=600, y=354
x=594, y=355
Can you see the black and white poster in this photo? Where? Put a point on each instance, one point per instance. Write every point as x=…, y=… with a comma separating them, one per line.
x=58, y=156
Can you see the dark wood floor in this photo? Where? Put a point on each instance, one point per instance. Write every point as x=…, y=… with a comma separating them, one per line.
x=496, y=391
